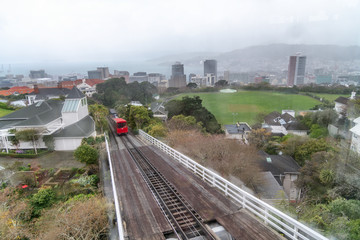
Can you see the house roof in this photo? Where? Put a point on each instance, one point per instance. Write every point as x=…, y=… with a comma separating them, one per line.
x=269, y=119
x=37, y=114
x=83, y=128
x=93, y=82
x=342, y=100
x=19, y=90
x=46, y=93
x=296, y=126
x=356, y=120
x=269, y=187
x=237, y=128
x=158, y=107
x=75, y=93
x=356, y=129
x=277, y=164
x=277, y=119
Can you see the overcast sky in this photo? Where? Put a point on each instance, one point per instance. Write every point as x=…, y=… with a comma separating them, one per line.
x=86, y=30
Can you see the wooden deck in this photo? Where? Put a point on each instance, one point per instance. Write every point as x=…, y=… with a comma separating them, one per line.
x=142, y=217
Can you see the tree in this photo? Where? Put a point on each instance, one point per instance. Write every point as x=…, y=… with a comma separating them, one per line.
x=221, y=83
x=86, y=154
x=99, y=113
x=304, y=151
x=29, y=135
x=191, y=85
x=191, y=106
x=139, y=116
x=180, y=122
x=158, y=130
x=259, y=137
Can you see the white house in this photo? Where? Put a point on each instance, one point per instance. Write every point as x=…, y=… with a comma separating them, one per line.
x=284, y=124
x=67, y=121
x=88, y=86
x=355, y=136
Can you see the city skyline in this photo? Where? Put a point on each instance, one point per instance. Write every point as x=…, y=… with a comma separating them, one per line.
x=111, y=30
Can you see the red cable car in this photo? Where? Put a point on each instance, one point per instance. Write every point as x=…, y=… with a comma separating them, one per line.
x=120, y=126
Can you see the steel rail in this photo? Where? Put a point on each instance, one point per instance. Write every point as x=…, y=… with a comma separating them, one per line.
x=186, y=215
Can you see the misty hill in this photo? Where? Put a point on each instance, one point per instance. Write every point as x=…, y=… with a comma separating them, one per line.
x=272, y=57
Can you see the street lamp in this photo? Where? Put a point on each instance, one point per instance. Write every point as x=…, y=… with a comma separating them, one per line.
x=234, y=114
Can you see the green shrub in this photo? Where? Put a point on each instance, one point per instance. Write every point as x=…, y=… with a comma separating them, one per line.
x=44, y=198
x=86, y=154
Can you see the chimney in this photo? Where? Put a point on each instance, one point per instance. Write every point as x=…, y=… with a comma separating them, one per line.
x=36, y=89
x=59, y=85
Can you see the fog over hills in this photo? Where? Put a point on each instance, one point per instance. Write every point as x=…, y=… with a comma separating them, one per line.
x=271, y=57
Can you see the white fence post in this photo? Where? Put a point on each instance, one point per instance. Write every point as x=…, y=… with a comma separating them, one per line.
x=117, y=206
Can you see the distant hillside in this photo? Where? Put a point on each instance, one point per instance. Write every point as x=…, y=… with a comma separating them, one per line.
x=268, y=57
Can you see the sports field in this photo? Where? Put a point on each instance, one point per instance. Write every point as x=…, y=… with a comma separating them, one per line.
x=243, y=106
x=4, y=112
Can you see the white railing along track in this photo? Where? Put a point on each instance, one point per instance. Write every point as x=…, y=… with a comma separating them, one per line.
x=271, y=217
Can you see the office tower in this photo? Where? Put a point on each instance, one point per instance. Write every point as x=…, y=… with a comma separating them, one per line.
x=191, y=75
x=95, y=74
x=178, y=78
x=37, y=74
x=104, y=72
x=296, y=71
x=210, y=67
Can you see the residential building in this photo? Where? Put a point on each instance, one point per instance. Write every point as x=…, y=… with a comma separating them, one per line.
x=16, y=91
x=159, y=111
x=178, y=78
x=296, y=70
x=40, y=94
x=240, y=131
x=67, y=121
x=355, y=136
x=285, y=170
x=88, y=86
x=210, y=67
x=283, y=124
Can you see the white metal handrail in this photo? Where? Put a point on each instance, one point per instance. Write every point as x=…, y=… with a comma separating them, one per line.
x=272, y=217
x=117, y=206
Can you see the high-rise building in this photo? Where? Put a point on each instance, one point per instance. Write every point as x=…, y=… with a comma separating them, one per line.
x=122, y=74
x=210, y=67
x=139, y=77
x=95, y=74
x=191, y=75
x=37, y=74
x=104, y=72
x=178, y=78
x=296, y=71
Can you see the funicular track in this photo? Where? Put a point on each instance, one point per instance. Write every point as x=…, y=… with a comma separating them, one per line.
x=187, y=224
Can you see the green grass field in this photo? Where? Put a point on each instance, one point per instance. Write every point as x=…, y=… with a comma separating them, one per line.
x=4, y=112
x=247, y=104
